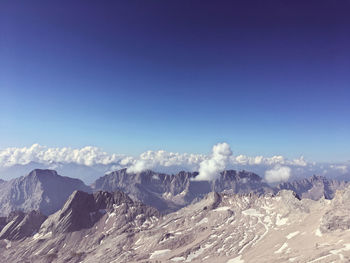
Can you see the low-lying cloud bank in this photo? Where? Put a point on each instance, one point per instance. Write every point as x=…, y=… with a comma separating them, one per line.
x=90, y=162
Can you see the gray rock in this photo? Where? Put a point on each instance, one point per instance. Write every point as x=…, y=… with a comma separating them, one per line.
x=42, y=190
x=169, y=193
x=19, y=225
x=314, y=187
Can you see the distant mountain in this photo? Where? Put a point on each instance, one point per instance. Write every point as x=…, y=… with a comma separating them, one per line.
x=314, y=187
x=170, y=192
x=88, y=174
x=42, y=190
x=19, y=225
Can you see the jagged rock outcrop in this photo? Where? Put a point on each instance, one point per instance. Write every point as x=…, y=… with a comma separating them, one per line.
x=314, y=187
x=82, y=210
x=19, y=225
x=170, y=192
x=337, y=217
x=42, y=190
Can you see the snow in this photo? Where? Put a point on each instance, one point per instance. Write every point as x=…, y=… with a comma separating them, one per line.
x=8, y=244
x=283, y=247
x=159, y=252
x=252, y=212
x=41, y=236
x=223, y=208
x=236, y=260
x=281, y=221
x=291, y=235
x=178, y=259
x=318, y=232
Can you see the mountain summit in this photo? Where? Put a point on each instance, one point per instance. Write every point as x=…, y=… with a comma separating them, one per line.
x=42, y=190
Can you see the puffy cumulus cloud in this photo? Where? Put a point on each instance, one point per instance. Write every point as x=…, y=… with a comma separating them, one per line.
x=163, y=161
x=210, y=169
x=88, y=155
x=278, y=174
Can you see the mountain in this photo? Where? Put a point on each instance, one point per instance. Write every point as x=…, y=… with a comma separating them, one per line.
x=170, y=192
x=222, y=227
x=314, y=187
x=88, y=174
x=19, y=225
x=42, y=190
x=83, y=210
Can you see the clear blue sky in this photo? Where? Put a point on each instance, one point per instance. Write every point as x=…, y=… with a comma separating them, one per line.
x=268, y=77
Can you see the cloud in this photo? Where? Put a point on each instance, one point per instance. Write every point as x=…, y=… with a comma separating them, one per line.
x=278, y=174
x=343, y=169
x=100, y=162
x=210, y=169
x=163, y=161
x=88, y=155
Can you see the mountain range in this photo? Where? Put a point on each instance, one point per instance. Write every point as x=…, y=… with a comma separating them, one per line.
x=221, y=227
x=46, y=191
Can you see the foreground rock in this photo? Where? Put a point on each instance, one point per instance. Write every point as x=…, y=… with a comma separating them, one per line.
x=219, y=228
x=19, y=225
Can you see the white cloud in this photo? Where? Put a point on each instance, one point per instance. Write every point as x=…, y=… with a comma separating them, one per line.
x=278, y=174
x=163, y=161
x=209, y=166
x=343, y=169
x=88, y=155
x=210, y=169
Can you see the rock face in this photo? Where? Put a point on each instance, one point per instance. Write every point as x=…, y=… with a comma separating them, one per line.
x=170, y=192
x=218, y=228
x=314, y=187
x=42, y=190
x=337, y=217
x=19, y=225
x=83, y=210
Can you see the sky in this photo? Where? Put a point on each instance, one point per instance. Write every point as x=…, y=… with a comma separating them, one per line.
x=267, y=77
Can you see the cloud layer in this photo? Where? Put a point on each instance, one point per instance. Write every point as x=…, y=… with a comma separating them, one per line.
x=97, y=162
x=88, y=155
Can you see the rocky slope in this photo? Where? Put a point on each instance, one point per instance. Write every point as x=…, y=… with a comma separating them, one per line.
x=314, y=187
x=19, y=225
x=226, y=228
x=42, y=190
x=170, y=192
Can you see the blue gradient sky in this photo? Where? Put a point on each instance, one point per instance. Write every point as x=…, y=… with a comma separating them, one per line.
x=268, y=77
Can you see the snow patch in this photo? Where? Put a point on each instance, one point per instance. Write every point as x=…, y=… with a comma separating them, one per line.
x=236, y=260
x=223, y=208
x=159, y=252
x=318, y=232
x=291, y=235
x=281, y=221
x=252, y=212
x=283, y=247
